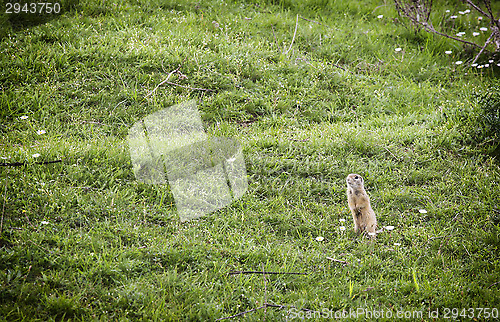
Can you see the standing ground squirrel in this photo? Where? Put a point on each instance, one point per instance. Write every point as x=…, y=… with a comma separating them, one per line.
x=359, y=203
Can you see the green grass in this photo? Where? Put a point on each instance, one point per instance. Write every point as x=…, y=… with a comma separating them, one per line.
x=83, y=240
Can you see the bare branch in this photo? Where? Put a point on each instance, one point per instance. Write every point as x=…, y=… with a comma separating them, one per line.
x=473, y=5
x=294, y=33
x=484, y=47
x=20, y=164
x=418, y=12
x=338, y=261
x=263, y=272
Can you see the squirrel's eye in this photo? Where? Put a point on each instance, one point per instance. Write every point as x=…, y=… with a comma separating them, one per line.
x=356, y=178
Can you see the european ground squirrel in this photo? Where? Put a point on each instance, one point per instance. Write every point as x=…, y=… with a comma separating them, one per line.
x=359, y=203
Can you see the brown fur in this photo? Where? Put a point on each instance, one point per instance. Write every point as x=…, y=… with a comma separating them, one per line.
x=359, y=203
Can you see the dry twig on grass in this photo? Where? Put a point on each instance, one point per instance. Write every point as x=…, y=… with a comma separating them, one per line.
x=338, y=261
x=263, y=272
x=20, y=164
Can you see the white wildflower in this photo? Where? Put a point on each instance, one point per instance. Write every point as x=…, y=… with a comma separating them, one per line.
x=448, y=52
x=453, y=17
x=398, y=49
x=342, y=228
x=36, y=155
x=389, y=228
x=44, y=222
x=40, y=132
x=483, y=29
x=319, y=238
x=380, y=16
x=397, y=244
x=475, y=34
x=24, y=117
x=459, y=62
x=423, y=211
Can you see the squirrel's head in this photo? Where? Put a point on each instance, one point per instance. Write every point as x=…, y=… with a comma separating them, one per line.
x=354, y=181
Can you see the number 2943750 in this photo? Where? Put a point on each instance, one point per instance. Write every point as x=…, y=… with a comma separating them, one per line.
x=34, y=7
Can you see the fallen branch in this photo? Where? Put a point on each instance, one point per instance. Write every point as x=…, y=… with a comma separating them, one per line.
x=494, y=284
x=338, y=261
x=263, y=272
x=418, y=12
x=294, y=33
x=163, y=82
x=19, y=164
x=484, y=47
x=310, y=20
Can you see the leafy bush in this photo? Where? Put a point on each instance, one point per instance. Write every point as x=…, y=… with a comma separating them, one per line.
x=479, y=124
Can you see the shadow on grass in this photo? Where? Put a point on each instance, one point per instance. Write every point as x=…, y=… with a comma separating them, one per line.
x=20, y=18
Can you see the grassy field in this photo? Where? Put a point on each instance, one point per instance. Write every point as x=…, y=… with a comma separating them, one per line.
x=82, y=239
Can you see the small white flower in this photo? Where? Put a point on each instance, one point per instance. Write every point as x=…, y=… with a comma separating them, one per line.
x=319, y=238
x=342, y=228
x=483, y=29
x=459, y=62
x=40, y=132
x=380, y=16
x=397, y=244
x=398, y=49
x=342, y=220
x=447, y=11
x=44, y=222
x=461, y=12
x=422, y=211
x=474, y=65
x=372, y=234
x=453, y=17
x=460, y=34
x=467, y=11
x=490, y=61
x=36, y=155
x=480, y=66
x=448, y=52
x=479, y=18
x=389, y=228
x=475, y=34
x=486, y=65
x=24, y=117
x=498, y=64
